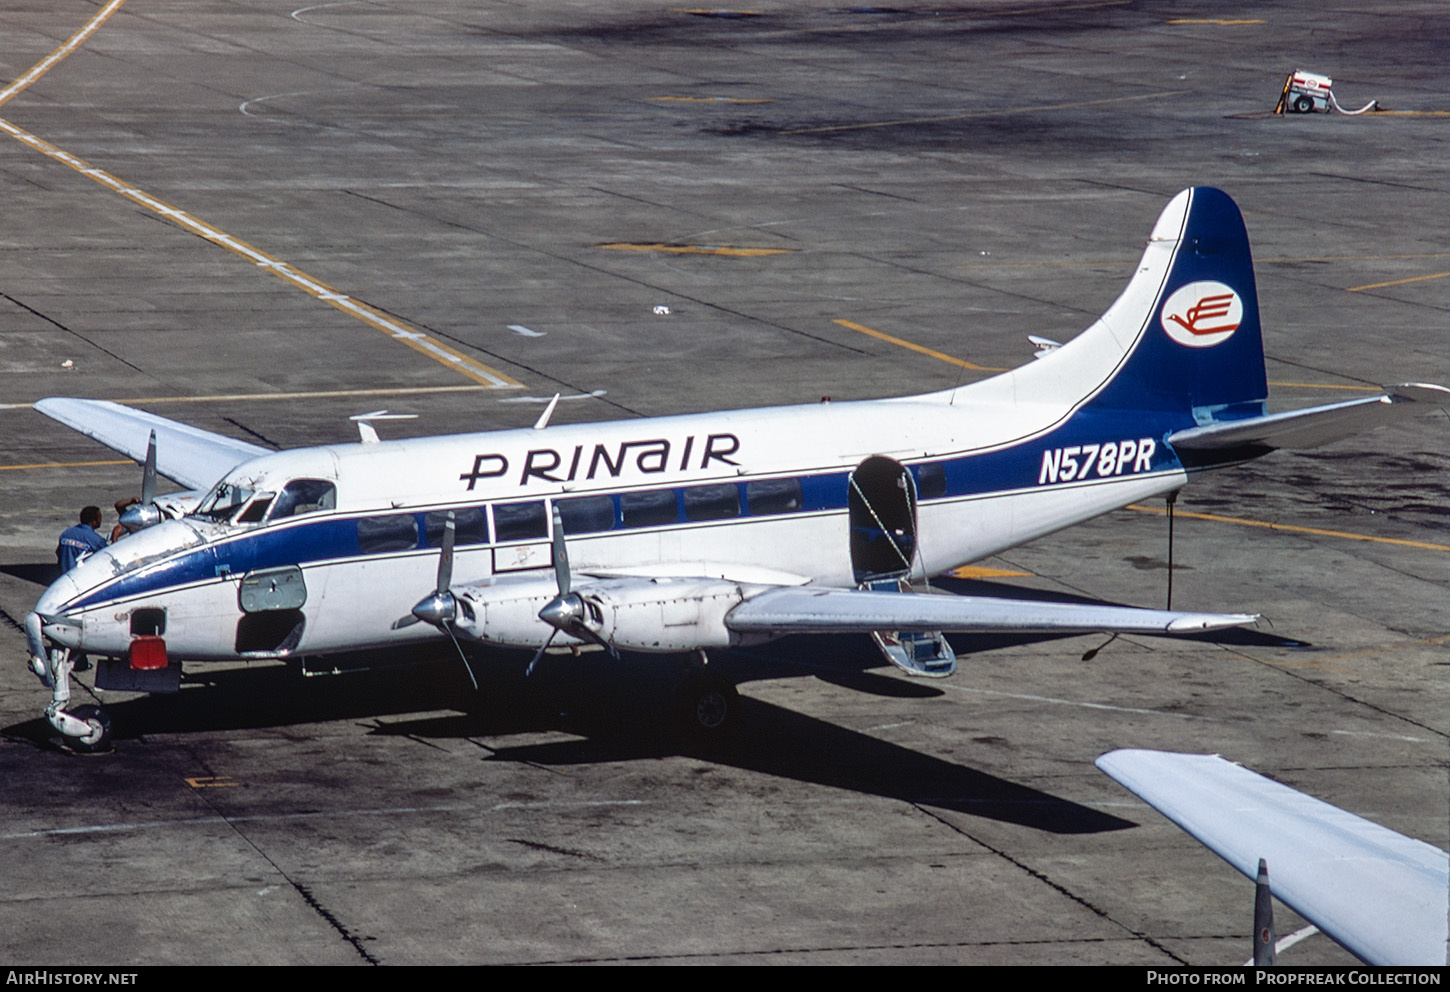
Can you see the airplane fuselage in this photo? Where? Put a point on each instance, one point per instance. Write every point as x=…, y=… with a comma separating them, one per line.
x=755, y=496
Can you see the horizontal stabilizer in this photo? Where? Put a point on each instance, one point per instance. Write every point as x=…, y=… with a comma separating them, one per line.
x=812, y=610
x=187, y=455
x=1298, y=429
x=1381, y=894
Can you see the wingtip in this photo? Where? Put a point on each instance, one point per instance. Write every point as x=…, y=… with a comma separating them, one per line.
x=1427, y=393
x=1193, y=622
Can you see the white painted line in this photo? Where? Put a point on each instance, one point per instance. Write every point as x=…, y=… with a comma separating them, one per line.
x=1289, y=941
x=526, y=332
x=1074, y=702
x=221, y=821
x=75, y=41
x=1366, y=733
x=546, y=399
x=254, y=397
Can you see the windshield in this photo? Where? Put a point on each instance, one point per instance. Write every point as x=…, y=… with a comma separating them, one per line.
x=223, y=501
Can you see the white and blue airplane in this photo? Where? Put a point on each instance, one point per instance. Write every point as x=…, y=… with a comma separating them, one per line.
x=689, y=533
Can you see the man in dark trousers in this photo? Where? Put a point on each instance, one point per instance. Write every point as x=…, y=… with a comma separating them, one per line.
x=79, y=540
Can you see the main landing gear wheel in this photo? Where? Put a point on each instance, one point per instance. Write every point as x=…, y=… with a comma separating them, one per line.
x=707, y=707
x=97, y=737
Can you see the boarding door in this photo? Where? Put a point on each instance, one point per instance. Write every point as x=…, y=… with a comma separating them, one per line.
x=883, y=520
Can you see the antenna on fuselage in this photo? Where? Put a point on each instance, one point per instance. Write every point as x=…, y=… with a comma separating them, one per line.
x=543, y=420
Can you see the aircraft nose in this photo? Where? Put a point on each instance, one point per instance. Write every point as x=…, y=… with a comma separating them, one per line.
x=96, y=569
x=60, y=592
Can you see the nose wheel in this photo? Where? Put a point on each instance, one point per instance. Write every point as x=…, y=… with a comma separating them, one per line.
x=98, y=730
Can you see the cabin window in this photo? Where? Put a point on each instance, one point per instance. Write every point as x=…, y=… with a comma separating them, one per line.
x=648, y=509
x=931, y=480
x=586, y=514
x=765, y=496
x=470, y=526
x=520, y=521
x=304, y=496
x=712, y=502
x=396, y=532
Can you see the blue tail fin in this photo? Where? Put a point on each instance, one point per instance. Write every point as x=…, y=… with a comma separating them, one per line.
x=1182, y=343
x=1193, y=312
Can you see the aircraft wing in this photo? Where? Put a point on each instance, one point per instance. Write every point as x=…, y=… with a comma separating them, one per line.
x=1309, y=428
x=1383, y=895
x=189, y=456
x=811, y=610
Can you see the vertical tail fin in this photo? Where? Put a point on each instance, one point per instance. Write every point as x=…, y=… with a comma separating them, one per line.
x=1200, y=344
x=1183, y=339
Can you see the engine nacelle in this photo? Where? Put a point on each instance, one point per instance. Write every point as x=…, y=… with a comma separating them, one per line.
x=666, y=614
x=656, y=615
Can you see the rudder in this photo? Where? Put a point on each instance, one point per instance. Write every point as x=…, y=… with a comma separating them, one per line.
x=1197, y=348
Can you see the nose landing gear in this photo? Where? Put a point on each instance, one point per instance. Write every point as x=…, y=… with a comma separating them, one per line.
x=87, y=728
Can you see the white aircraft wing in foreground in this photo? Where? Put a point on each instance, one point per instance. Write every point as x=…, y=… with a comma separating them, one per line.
x=1382, y=895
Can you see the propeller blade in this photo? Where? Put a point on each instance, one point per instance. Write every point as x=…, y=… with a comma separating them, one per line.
x=561, y=555
x=566, y=611
x=463, y=657
x=540, y=653
x=445, y=558
x=148, y=473
x=440, y=608
x=589, y=634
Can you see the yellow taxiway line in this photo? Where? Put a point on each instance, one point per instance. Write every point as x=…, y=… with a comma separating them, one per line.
x=1003, y=112
x=111, y=461
x=396, y=329
x=939, y=356
x=44, y=65
x=693, y=249
x=863, y=329
x=1398, y=282
x=1290, y=528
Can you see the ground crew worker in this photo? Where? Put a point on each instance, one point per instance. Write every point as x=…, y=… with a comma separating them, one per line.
x=119, y=531
x=79, y=540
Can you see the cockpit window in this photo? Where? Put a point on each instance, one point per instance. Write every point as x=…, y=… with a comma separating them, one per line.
x=257, y=510
x=304, y=496
x=223, y=501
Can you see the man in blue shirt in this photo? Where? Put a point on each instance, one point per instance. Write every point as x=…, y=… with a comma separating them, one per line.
x=79, y=540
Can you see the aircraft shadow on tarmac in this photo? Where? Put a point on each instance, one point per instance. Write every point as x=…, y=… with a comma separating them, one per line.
x=619, y=710
x=616, y=710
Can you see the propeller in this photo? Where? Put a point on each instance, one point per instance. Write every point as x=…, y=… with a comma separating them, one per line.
x=441, y=608
x=145, y=513
x=566, y=612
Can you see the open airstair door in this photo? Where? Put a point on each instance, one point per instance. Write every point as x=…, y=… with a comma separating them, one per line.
x=882, y=507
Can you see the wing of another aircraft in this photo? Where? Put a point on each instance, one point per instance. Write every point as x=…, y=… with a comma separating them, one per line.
x=1383, y=895
x=1297, y=429
x=814, y=610
x=189, y=456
